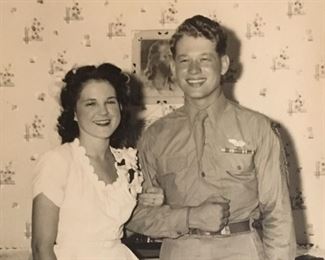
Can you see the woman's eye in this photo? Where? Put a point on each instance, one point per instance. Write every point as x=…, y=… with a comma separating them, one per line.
x=90, y=104
x=111, y=101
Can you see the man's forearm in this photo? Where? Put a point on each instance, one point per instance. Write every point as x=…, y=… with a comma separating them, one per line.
x=159, y=221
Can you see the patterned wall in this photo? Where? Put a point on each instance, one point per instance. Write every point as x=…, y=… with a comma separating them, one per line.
x=278, y=68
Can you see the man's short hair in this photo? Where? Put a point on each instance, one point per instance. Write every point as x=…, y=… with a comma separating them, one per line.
x=201, y=26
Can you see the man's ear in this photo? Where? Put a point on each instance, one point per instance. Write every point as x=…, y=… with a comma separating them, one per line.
x=172, y=67
x=225, y=62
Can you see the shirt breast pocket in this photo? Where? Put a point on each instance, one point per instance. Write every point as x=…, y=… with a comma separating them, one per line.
x=237, y=165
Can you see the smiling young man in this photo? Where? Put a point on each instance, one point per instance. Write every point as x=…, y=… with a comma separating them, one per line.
x=220, y=165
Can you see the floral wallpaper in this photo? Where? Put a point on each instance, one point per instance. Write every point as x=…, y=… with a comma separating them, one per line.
x=278, y=68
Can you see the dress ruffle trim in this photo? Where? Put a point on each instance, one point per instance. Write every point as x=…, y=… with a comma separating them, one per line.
x=122, y=180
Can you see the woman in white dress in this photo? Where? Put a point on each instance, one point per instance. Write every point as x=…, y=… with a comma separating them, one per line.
x=86, y=188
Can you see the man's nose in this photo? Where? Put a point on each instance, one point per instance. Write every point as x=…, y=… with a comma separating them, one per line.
x=194, y=67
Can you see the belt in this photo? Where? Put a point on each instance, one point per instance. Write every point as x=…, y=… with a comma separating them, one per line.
x=231, y=228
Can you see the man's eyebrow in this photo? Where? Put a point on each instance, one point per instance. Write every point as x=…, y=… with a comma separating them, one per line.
x=181, y=55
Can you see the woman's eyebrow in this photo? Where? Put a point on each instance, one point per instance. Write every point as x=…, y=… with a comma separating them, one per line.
x=87, y=99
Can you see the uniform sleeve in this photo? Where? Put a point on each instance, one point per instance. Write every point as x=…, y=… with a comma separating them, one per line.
x=156, y=222
x=50, y=177
x=278, y=229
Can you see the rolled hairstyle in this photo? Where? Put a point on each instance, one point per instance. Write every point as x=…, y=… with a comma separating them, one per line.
x=74, y=81
x=200, y=26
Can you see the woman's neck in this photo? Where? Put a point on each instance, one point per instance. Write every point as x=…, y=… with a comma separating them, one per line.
x=95, y=147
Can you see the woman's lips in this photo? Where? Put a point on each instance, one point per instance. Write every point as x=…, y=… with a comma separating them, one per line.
x=103, y=122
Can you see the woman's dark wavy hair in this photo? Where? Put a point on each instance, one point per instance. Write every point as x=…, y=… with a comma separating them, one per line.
x=74, y=81
x=200, y=26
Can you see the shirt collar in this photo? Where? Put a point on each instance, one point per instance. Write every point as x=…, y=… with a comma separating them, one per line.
x=215, y=110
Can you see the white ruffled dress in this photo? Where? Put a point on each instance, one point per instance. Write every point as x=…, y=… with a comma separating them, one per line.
x=92, y=213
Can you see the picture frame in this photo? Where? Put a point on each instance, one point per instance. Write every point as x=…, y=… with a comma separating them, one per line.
x=151, y=58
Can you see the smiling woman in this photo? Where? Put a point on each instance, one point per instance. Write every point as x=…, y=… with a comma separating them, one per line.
x=77, y=80
x=97, y=110
x=86, y=189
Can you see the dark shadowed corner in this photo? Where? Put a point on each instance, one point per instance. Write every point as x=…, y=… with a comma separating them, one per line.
x=135, y=123
x=235, y=68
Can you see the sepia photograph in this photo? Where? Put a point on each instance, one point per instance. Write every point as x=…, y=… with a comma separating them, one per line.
x=152, y=59
x=162, y=130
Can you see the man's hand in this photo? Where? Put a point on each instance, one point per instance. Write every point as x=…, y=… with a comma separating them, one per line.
x=153, y=196
x=212, y=215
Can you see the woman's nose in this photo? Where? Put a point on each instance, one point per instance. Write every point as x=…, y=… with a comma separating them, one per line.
x=103, y=109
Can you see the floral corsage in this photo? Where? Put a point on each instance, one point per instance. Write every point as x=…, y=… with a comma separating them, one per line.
x=127, y=166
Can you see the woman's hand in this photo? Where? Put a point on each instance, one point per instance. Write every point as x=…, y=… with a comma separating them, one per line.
x=153, y=196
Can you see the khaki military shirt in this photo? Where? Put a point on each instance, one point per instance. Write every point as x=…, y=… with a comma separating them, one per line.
x=242, y=161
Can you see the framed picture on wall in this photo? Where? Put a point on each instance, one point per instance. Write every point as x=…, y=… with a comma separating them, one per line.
x=151, y=58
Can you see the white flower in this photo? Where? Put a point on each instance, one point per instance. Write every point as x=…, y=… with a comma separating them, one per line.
x=127, y=166
x=135, y=186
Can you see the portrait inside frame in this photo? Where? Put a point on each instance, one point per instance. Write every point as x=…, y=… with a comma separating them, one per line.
x=152, y=58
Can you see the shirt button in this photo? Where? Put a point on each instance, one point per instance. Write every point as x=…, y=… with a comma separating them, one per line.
x=238, y=167
x=179, y=233
x=203, y=174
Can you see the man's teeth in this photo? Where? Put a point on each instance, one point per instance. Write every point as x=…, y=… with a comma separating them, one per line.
x=196, y=81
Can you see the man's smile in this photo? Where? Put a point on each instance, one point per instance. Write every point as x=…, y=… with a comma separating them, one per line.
x=196, y=82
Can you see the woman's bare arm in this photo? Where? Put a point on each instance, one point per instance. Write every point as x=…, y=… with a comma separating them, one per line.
x=45, y=217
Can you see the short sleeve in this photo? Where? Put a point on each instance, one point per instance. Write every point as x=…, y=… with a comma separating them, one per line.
x=50, y=177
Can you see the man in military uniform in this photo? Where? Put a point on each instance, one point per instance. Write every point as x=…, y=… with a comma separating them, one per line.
x=218, y=163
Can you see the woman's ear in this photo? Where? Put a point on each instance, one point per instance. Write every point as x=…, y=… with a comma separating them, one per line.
x=225, y=62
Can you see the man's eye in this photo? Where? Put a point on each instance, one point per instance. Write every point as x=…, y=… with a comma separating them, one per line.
x=90, y=104
x=183, y=60
x=205, y=59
